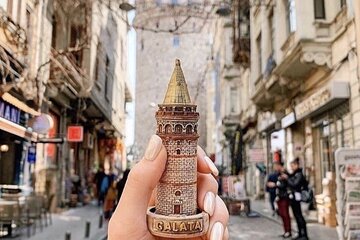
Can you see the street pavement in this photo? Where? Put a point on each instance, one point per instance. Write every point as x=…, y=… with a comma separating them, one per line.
x=72, y=221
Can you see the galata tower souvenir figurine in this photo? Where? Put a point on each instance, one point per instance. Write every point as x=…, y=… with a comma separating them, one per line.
x=175, y=214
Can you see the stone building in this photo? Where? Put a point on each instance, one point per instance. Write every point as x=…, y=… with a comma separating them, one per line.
x=167, y=30
x=65, y=64
x=305, y=81
x=177, y=126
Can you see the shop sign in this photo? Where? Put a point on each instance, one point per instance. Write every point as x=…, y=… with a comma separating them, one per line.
x=256, y=155
x=9, y=112
x=288, y=120
x=31, y=156
x=75, y=133
x=323, y=99
x=268, y=120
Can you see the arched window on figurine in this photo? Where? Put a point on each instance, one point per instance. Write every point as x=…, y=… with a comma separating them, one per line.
x=178, y=128
x=168, y=128
x=178, y=151
x=195, y=128
x=160, y=128
x=189, y=129
x=178, y=193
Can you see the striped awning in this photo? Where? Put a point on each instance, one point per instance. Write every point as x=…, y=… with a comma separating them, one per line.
x=19, y=104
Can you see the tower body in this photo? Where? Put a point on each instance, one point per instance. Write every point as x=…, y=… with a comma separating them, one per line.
x=177, y=191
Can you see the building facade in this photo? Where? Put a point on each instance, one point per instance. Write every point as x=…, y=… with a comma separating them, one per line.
x=305, y=81
x=169, y=30
x=72, y=71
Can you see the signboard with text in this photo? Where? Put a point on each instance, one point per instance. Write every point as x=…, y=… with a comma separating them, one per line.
x=75, y=134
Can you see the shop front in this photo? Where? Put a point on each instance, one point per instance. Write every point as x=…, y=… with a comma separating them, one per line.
x=15, y=139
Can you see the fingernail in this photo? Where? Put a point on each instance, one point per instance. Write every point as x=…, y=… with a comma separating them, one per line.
x=212, y=166
x=217, y=231
x=209, y=203
x=153, y=148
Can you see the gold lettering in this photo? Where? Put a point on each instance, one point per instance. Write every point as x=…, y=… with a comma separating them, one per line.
x=198, y=225
x=191, y=226
x=183, y=227
x=167, y=226
x=159, y=225
x=174, y=228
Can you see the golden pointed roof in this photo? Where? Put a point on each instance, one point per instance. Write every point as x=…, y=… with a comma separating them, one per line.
x=177, y=92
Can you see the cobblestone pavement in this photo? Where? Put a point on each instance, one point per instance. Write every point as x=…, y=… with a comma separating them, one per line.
x=72, y=221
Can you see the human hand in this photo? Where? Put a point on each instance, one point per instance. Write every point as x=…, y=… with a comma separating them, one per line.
x=271, y=184
x=129, y=219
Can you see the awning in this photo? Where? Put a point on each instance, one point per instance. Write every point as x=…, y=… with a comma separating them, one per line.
x=19, y=104
x=16, y=129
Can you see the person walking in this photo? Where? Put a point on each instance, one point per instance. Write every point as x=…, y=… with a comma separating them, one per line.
x=282, y=199
x=110, y=200
x=98, y=179
x=271, y=187
x=297, y=182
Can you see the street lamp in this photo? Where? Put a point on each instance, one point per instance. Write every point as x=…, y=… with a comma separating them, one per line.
x=4, y=148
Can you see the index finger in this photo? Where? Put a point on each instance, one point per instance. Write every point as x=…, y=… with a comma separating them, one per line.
x=205, y=165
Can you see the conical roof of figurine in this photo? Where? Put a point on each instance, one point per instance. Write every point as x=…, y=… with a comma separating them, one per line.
x=177, y=92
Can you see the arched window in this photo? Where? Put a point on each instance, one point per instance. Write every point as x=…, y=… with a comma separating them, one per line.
x=160, y=128
x=189, y=129
x=178, y=128
x=178, y=151
x=168, y=128
x=178, y=193
x=195, y=129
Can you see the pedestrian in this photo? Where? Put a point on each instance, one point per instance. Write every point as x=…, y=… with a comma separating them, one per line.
x=110, y=200
x=282, y=199
x=271, y=186
x=98, y=179
x=297, y=182
x=121, y=184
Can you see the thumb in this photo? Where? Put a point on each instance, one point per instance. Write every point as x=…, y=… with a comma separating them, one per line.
x=142, y=180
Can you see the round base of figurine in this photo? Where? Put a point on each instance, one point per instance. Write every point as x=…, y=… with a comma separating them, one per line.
x=177, y=226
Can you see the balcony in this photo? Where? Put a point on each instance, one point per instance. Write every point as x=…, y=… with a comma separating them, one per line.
x=301, y=58
x=64, y=66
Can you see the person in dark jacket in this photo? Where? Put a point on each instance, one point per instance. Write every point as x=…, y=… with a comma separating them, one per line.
x=296, y=182
x=121, y=184
x=271, y=186
x=283, y=201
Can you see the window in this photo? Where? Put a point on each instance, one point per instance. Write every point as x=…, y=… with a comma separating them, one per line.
x=189, y=129
x=342, y=3
x=291, y=16
x=75, y=37
x=178, y=129
x=107, y=73
x=54, y=31
x=97, y=61
x=178, y=151
x=168, y=128
x=259, y=52
x=178, y=193
x=176, y=41
x=160, y=128
x=233, y=99
x=28, y=25
x=18, y=17
x=272, y=31
x=319, y=9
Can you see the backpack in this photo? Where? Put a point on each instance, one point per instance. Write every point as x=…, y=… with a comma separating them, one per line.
x=307, y=194
x=104, y=185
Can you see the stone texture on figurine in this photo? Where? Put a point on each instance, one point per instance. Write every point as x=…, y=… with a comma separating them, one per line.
x=175, y=213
